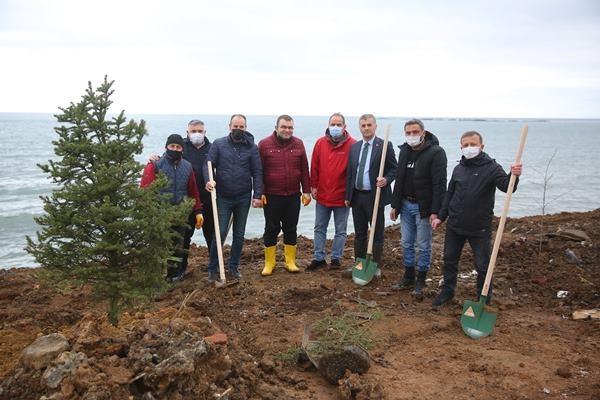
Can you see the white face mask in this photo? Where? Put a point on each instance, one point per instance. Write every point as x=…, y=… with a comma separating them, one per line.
x=197, y=138
x=470, y=152
x=335, y=131
x=413, y=141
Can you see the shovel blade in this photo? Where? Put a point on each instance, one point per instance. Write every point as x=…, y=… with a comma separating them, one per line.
x=476, y=320
x=364, y=270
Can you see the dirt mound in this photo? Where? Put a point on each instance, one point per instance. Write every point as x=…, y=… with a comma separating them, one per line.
x=171, y=348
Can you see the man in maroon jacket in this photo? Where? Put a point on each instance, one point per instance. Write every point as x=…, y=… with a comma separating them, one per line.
x=285, y=169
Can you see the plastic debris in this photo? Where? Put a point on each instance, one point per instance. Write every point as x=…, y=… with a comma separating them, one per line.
x=561, y=294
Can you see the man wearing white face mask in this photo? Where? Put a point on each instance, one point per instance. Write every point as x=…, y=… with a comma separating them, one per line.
x=469, y=208
x=417, y=198
x=195, y=149
x=328, y=186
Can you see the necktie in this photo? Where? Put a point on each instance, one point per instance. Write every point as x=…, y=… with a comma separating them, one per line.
x=361, y=166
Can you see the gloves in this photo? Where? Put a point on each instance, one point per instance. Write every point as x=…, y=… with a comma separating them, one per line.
x=263, y=199
x=305, y=199
x=199, y=221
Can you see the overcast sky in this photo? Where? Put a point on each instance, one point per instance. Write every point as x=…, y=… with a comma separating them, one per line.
x=390, y=58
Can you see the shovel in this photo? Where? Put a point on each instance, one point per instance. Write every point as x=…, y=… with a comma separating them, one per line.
x=365, y=268
x=213, y=197
x=477, y=321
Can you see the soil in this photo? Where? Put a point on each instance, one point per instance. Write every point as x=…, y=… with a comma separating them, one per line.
x=535, y=352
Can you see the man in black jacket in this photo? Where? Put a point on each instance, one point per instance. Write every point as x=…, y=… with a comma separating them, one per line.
x=417, y=198
x=469, y=208
x=362, y=181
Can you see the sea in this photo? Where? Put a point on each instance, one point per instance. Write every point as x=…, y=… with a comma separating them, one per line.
x=561, y=163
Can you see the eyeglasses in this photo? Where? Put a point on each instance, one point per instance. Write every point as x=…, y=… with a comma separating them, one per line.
x=196, y=131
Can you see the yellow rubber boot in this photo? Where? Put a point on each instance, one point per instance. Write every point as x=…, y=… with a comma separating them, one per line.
x=290, y=258
x=269, y=261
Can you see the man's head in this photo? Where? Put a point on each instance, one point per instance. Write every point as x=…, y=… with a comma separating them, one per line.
x=367, y=125
x=174, y=146
x=471, y=144
x=196, y=131
x=414, y=131
x=337, y=125
x=237, y=127
x=284, y=127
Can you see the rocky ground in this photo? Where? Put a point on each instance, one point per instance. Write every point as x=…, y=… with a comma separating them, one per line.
x=198, y=341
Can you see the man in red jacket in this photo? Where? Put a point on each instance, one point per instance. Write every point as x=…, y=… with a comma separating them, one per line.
x=328, y=186
x=285, y=169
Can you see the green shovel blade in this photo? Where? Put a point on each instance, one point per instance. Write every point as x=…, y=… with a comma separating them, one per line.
x=364, y=270
x=476, y=321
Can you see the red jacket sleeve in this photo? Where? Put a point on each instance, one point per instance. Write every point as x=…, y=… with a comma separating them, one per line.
x=149, y=175
x=305, y=173
x=314, y=165
x=192, y=190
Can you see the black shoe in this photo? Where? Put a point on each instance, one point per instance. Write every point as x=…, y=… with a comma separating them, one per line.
x=335, y=263
x=213, y=276
x=442, y=298
x=407, y=281
x=235, y=273
x=420, y=285
x=315, y=264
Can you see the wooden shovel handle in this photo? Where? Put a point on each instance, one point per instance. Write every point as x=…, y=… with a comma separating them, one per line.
x=378, y=190
x=213, y=199
x=500, y=231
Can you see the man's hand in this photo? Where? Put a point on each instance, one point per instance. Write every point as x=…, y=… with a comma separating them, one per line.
x=347, y=203
x=432, y=217
x=210, y=185
x=263, y=200
x=256, y=203
x=314, y=191
x=199, y=221
x=305, y=199
x=393, y=214
x=381, y=182
x=153, y=157
x=435, y=223
x=516, y=169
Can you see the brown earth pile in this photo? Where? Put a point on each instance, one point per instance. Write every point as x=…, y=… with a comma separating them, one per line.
x=169, y=349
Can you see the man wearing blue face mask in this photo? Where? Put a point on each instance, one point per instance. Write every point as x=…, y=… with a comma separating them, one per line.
x=328, y=186
x=417, y=198
x=469, y=208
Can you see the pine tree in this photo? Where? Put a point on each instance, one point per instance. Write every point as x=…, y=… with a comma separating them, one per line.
x=99, y=227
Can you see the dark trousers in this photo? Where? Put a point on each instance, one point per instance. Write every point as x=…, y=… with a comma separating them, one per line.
x=208, y=230
x=177, y=263
x=281, y=214
x=362, y=213
x=453, y=245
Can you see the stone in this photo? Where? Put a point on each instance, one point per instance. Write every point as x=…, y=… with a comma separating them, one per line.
x=43, y=350
x=217, y=338
x=64, y=365
x=564, y=372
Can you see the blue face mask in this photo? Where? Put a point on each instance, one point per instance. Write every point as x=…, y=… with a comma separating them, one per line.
x=336, y=131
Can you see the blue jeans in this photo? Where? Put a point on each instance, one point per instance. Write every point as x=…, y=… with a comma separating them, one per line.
x=322, y=217
x=415, y=230
x=238, y=206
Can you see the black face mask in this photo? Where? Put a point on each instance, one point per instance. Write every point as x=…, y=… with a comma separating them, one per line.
x=174, y=155
x=237, y=134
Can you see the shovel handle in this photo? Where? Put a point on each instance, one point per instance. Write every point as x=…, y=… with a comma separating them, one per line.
x=378, y=190
x=213, y=199
x=500, y=231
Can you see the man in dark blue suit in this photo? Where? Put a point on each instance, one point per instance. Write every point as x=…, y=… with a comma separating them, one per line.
x=361, y=183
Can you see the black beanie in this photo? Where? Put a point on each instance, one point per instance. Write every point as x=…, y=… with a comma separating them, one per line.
x=174, y=138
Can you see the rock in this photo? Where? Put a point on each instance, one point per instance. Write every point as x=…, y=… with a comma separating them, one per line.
x=217, y=338
x=267, y=365
x=571, y=234
x=564, y=372
x=586, y=314
x=64, y=365
x=43, y=350
x=118, y=375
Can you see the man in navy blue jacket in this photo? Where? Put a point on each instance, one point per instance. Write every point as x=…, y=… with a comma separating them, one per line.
x=469, y=207
x=238, y=178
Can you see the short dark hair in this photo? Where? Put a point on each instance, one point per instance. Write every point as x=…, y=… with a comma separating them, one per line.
x=196, y=122
x=415, y=121
x=237, y=115
x=337, y=114
x=284, y=117
x=472, y=133
x=367, y=116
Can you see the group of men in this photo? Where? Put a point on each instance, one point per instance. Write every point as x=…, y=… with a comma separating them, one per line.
x=343, y=176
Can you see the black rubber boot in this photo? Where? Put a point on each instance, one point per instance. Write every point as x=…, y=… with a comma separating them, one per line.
x=407, y=281
x=360, y=249
x=420, y=285
x=443, y=297
x=480, y=282
x=377, y=253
